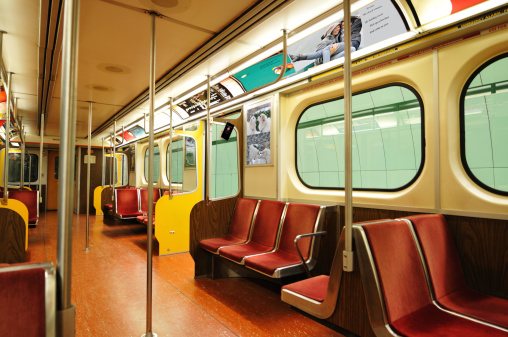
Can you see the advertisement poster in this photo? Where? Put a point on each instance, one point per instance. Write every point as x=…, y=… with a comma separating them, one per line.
x=430, y=10
x=258, y=133
x=371, y=24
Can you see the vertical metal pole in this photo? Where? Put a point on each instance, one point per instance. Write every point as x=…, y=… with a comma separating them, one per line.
x=103, y=164
x=21, y=138
x=7, y=139
x=113, y=163
x=348, y=190
x=171, y=147
x=88, y=177
x=66, y=313
x=208, y=168
x=149, y=238
x=41, y=144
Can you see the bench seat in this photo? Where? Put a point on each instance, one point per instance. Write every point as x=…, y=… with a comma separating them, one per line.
x=239, y=227
x=396, y=288
x=264, y=233
x=446, y=274
x=300, y=222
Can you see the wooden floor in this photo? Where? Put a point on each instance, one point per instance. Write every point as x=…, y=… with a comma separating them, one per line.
x=109, y=289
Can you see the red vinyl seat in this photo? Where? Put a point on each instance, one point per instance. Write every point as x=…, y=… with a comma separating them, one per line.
x=408, y=308
x=447, y=276
x=264, y=233
x=27, y=297
x=313, y=288
x=127, y=203
x=143, y=197
x=300, y=219
x=239, y=227
x=31, y=201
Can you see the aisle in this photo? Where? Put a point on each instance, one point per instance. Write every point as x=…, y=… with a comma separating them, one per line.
x=109, y=289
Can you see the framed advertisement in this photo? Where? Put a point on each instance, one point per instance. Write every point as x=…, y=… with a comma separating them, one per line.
x=258, y=133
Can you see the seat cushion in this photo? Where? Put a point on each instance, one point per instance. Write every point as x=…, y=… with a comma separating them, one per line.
x=474, y=304
x=213, y=245
x=130, y=214
x=268, y=263
x=431, y=321
x=313, y=288
x=238, y=252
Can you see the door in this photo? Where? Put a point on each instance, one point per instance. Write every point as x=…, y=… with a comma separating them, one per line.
x=53, y=180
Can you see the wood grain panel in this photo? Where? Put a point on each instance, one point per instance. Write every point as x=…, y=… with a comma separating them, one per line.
x=483, y=250
x=328, y=242
x=206, y=222
x=351, y=310
x=106, y=198
x=95, y=178
x=12, y=236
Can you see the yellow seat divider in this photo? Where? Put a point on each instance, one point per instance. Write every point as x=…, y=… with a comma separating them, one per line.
x=172, y=217
x=97, y=192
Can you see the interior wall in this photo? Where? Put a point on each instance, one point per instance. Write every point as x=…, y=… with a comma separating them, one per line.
x=95, y=177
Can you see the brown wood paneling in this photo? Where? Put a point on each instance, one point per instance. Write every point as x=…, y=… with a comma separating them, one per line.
x=483, y=250
x=328, y=243
x=95, y=178
x=206, y=222
x=12, y=237
x=52, y=203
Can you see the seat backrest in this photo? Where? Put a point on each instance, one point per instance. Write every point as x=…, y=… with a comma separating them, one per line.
x=242, y=218
x=28, y=294
x=126, y=201
x=299, y=219
x=30, y=199
x=143, y=198
x=441, y=256
x=266, y=224
x=398, y=267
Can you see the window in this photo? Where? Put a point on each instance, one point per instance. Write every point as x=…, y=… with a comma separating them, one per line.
x=225, y=178
x=122, y=163
x=387, y=141
x=183, y=164
x=31, y=168
x=156, y=163
x=484, y=125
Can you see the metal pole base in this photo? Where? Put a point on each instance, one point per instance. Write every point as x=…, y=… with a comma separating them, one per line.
x=86, y=249
x=65, y=323
x=149, y=334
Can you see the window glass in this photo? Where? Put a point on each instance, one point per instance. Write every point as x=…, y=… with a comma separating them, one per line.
x=484, y=126
x=122, y=164
x=387, y=141
x=156, y=164
x=31, y=168
x=225, y=178
x=183, y=164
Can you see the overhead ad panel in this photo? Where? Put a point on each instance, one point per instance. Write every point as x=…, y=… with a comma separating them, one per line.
x=430, y=10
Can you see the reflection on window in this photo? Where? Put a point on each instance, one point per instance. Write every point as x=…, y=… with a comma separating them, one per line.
x=387, y=141
x=183, y=164
x=484, y=126
x=225, y=181
x=31, y=168
x=156, y=164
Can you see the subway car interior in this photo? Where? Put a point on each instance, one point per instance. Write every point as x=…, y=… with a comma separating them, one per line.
x=254, y=168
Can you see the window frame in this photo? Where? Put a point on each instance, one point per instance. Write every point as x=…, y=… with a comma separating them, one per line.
x=422, y=144
x=27, y=156
x=462, y=127
x=166, y=178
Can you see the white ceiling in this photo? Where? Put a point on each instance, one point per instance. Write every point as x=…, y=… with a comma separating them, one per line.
x=111, y=35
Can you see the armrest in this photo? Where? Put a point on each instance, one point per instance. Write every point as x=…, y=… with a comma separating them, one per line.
x=298, y=237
